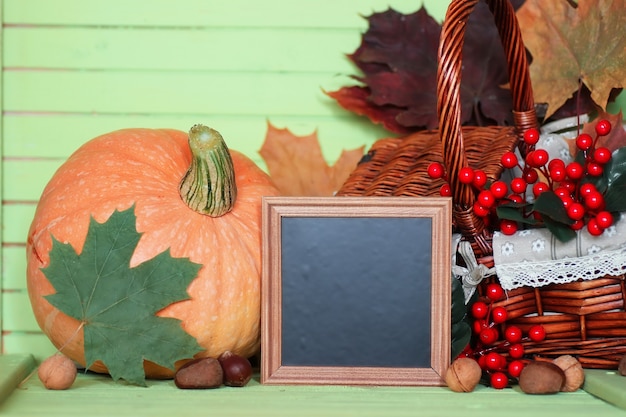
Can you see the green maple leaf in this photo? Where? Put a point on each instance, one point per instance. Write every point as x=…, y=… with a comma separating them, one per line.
x=116, y=304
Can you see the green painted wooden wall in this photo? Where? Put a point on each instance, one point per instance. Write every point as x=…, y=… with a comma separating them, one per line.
x=74, y=69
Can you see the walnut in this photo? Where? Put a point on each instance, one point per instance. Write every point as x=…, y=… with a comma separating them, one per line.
x=574, y=372
x=58, y=372
x=463, y=375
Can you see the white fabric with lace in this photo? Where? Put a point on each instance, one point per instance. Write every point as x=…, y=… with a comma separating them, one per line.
x=536, y=258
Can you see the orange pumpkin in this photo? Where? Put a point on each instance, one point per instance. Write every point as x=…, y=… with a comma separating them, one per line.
x=144, y=168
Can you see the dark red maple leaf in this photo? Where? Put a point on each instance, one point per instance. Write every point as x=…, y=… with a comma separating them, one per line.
x=398, y=59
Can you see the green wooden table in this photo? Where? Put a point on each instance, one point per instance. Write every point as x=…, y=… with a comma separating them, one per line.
x=97, y=395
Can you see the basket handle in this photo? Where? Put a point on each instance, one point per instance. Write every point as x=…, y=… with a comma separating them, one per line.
x=448, y=92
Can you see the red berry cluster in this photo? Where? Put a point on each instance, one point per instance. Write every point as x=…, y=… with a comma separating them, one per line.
x=498, y=347
x=583, y=202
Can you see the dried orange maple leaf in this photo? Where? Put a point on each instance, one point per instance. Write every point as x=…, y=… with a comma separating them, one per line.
x=297, y=165
x=573, y=45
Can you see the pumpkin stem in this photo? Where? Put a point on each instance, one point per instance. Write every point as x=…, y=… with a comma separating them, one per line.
x=209, y=186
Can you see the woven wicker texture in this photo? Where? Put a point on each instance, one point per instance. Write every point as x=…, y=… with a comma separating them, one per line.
x=586, y=319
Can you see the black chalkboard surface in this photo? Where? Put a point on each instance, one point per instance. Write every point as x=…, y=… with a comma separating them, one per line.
x=370, y=306
x=355, y=290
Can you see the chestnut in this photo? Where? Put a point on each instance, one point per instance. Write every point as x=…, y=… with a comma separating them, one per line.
x=237, y=369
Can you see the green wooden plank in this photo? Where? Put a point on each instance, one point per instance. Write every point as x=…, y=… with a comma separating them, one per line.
x=58, y=135
x=37, y=344
x=13, y=370
x=20, y=215
x=17, y=313
x=13, y=268
x=607, y=385
x=235, y=13
x=26, y=179
x=97, y=395
x=193, y=49
x=219, y=93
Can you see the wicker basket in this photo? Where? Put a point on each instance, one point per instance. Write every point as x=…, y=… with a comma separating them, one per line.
x=583, y=318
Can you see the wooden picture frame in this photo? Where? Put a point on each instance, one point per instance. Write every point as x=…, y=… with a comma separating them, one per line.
x=279, y=363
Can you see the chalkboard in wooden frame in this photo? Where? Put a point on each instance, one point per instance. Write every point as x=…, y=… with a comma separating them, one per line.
x=356, y=290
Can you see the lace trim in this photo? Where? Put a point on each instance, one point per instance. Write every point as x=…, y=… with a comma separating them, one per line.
x=561, y=271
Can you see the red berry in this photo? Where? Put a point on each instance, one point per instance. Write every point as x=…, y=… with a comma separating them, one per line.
x=516, y=198
x=594, y=169
x=488, y=336
x=494, y=291
x=499, y=189
x=513, y=334
x=576, y=211
x=480, y=325
x=480, y=210
x=531, y=137
x=480, y=179
x=494, y=361
x=486, y=198
x=529, y=158
x=499, y=380
x=540, y=187
x=539, y=158
x=515, y=368
x=569, y=186
x=531, y=176
x=603, y=127
x=557, y=173
x=435, y=170
x=593, y=228
x=466, y=175
x=516, y=351
x=584, y=141
x=480, y=309
x=577, y=225
x=604, y=219
x=518, y=185
x=508, y=227
x=594, y=200
x=509, y=160
x=562, y=192
x=587, y=188
x=556, y=163
x=499, y=314
x=537, y=333
x=574, y=170
x=602, y=155
x=482, y=362
x=445, y=190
